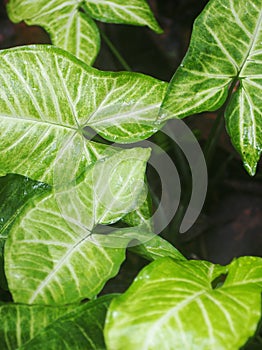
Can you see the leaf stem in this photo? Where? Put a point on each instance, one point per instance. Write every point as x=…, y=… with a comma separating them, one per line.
x=213, y=137
x=109, y=43
x=115, y=52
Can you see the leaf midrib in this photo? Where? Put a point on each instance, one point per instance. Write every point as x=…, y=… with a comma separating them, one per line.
x=169, y=313
x=57, y=267
x=41, y=121
x=254, y=38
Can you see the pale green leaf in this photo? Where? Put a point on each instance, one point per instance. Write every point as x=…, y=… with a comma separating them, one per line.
x=51, y=254
x=225, y=49
x=136, y=12
x=182, y=305
x=70, y=23
x=155, y=248
x=20, y=323
x=47, y=98
x=69, y=28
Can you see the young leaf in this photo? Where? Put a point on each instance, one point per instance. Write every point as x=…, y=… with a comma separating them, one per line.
x=51, y=254
x=78, y=330
x=70, y=23
x=181, y=305
x=15, y=191
x=47, y=98
x=20, y=323
x=225, y=49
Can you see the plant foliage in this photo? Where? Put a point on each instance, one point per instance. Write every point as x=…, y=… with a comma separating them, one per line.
x=221, y=60
x=174, y=305
x=59, y=186
x=71, y=23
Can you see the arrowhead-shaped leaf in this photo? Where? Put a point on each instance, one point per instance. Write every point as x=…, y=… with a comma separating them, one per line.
x=51, y=254
x=47, y=98
x=44, y=327
x=225, y=49
x=70, y=23
x=176, y=304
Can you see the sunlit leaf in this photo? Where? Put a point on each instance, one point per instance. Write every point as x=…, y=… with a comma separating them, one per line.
x=70, y=23
x=225, y=50
x=48, y=98
x=187, y=305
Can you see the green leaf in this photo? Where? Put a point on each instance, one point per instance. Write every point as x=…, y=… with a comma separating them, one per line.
x=45, y=327
x=70, y=23
x=185, y=305
x=52, y=255
x=47, y=98
x=155, y=248
x=142, y=215
x=78, y=330
x=15, y=191
x=20, y=323
x=225, y=50
x=136, y=12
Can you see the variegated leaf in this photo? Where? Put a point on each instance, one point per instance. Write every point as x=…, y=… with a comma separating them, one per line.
x=20, y=323
x=52, y=255
x=185, y=305
x=70, y=22
x=78, y=330
x=48, y=98
x=225, y=50
x=155, y=247
x=76, y=326
x=136, y=12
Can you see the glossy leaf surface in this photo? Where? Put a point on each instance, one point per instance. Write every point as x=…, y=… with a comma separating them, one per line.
x=187, y=305
x=45, y=327
x=48, y=98
x=220, y=56
x=71, y=25
x=51, y=255
x=79, y=329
